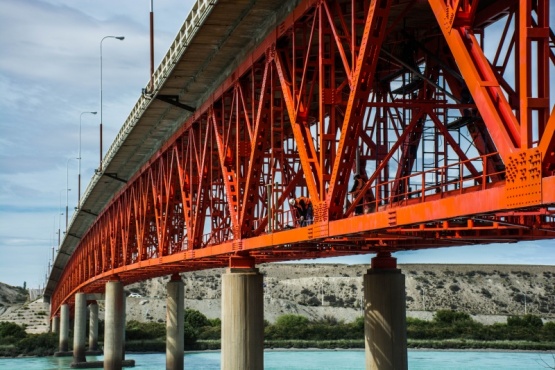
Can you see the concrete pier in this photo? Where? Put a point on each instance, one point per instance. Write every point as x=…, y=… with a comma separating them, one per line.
x=64, y=327
x=175, y=324
x=242, y=319
x=114, y=326
x=56, y=324
x=385, y=331
x=93, y=326
x=124, y=321
x=79, y=328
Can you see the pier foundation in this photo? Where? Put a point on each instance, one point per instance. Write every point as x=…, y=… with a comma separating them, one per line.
x=385, y=331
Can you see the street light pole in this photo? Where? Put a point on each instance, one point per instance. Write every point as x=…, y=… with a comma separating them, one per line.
x=67, y=190
x=79, y=158
x=105, y=37
x=60, y=213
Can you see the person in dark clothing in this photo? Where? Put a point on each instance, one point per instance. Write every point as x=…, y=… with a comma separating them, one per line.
x=302, y=208
x=355, y=191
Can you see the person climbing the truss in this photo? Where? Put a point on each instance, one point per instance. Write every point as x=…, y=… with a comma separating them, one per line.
x=302, y=208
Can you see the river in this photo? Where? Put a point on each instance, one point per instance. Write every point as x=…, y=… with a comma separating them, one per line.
x=319, y=360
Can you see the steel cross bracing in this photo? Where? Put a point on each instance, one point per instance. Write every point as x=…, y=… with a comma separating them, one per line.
x=443, y=108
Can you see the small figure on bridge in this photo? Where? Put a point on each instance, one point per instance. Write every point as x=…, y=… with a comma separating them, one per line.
x=355, y=191
x=302, y=208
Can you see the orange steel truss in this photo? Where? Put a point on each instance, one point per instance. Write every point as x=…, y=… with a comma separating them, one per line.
x=442, y=107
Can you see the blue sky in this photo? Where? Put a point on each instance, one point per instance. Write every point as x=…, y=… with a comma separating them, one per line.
x=50, y=74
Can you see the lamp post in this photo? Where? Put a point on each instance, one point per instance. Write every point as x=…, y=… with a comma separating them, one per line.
x=67, y=191
x=104, y=38
x=60, y=213
x=79, y=158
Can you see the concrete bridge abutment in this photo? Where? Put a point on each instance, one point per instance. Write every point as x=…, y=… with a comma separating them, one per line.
x=385, y=331
x=242, y=316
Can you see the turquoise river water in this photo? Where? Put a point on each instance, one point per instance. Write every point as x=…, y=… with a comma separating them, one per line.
x=319, y=360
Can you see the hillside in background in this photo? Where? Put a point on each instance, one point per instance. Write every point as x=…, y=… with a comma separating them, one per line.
x=11, y=296
x=318, y=290
x=488, y=292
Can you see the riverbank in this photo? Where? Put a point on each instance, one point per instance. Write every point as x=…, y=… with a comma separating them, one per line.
x=447, y=330
x=450, y=344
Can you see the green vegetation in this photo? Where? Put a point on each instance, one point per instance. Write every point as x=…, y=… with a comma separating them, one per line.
x=295, y=327
x=14, y=341
x=448, y=330
x=460, y=326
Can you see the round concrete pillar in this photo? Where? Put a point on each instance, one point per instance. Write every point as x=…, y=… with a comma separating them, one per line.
x=242, y=319
x=385, y=316
x=79, y=328
x=174, y=324
x=64, y=327
x=56, y=324
x=124, y=321
x=114, y=326
x=93, y=326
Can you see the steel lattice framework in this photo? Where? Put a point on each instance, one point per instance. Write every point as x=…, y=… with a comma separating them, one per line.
x=443, y=107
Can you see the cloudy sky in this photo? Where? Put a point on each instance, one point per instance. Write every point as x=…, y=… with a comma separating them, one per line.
x=50, y=74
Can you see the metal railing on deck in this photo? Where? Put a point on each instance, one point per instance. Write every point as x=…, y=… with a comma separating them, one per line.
x=431, y=183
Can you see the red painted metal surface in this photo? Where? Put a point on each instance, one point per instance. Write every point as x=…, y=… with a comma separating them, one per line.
x=443, y=107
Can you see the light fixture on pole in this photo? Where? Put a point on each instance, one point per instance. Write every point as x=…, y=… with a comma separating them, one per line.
x=67, y=191
x=79, y=158
x=105, y=37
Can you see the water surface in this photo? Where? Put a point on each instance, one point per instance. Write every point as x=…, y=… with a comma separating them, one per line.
x=318, y=360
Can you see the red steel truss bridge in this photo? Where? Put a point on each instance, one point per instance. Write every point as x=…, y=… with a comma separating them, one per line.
x=444, y=108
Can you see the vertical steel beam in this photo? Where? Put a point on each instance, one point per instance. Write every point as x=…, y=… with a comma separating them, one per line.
x=362, y=83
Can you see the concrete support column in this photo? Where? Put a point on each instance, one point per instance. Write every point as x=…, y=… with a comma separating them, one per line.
x=64, y=327
x=385, y=315
x=93, y=326
x=56, y=324
x=124, y=321
x=114, y=326
x=174, y=324
x=79, y=328
x=242, y=316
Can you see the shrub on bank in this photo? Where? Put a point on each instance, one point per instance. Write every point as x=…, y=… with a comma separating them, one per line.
x=136, y=330
x=11, y=333
x=44, y=344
